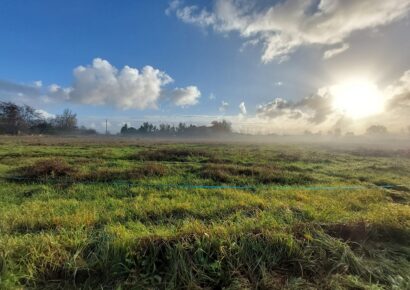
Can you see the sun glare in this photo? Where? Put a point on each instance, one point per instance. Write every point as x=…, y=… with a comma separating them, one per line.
x=357, y=98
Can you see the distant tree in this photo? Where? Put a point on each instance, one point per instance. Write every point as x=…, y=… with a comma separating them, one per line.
x=147, y=128
x=86, y=131
x=67, y=121
x=15, y=119
x=221, y=127
x=376, y=130
x=181, y=128
x=124, y=129
x=43, y=127
x=132, y=130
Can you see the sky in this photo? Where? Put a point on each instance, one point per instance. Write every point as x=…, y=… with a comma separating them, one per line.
x=266, y=66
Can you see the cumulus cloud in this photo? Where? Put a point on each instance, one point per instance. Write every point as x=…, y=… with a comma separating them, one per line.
x=286, y=25
x=278, y=107
x=224, y=106
x=101, y=83
x=56, y=93
x=242, y=108
x=315, y=108
x=185, y=97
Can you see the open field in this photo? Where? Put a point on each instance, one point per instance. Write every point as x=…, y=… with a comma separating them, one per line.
x=127, y=214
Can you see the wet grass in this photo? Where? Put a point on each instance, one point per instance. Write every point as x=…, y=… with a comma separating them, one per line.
x=66, y=220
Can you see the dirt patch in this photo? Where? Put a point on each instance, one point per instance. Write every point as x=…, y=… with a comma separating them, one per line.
x=348, y=232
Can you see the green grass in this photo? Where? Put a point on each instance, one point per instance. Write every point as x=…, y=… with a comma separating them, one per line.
x=116, y=214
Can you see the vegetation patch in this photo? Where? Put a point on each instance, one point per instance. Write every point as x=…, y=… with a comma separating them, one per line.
x=48, y=168
x=252, y=174
x=108, y=174
x=366, y=152
x=174, y=154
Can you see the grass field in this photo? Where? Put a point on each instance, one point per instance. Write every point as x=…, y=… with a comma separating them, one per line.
x=133, y=215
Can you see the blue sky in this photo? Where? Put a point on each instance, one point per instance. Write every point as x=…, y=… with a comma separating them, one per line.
x=206, y=48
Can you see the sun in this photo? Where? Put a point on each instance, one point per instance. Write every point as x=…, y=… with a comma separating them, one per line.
x=357, y=98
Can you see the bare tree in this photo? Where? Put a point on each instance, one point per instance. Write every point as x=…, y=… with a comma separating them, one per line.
x=67, y=121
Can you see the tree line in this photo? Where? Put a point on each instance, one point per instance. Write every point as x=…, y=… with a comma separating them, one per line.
x=15, y=120
x=216, y=128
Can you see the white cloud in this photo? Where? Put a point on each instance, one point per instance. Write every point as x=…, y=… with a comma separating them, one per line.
x=286, y=25
x=224, y=106
x=335, y=51
x=38, y=84
x=278, y=107
x=192, y=14
x=56, y=93
x=212, y=96
x=44, y=114
x=242, y=108
x=103, y=84
x=129, y=88
x=173, y=5
x=185, y=97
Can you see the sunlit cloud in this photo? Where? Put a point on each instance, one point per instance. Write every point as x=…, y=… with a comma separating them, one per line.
x=185, y=97
x=129, y=88
x=287, y=25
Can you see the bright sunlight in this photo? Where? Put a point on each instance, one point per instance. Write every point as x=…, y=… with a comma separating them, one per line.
x=357, y=98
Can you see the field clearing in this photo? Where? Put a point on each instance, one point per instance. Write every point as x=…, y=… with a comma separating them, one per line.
x=128, y=214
